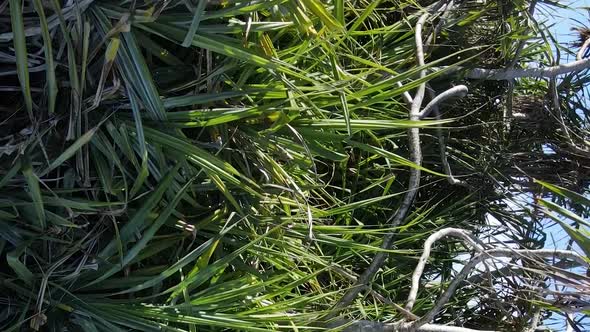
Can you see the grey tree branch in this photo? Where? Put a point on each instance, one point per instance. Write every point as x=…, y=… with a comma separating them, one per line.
x=372, y=326
x=456, y=91
x=510, y=74
x=460, y=233
x=483, y=255
x=423, y=323
x=413, y=183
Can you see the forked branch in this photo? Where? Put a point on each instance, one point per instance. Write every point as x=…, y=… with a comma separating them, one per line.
x=456, y=232
x=415, y=156
x=413, y=183
x=458, y=91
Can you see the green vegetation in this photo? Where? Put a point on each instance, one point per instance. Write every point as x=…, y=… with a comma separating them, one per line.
x=178, y=165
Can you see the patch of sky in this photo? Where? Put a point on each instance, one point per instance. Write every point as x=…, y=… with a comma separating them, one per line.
x=561, y=23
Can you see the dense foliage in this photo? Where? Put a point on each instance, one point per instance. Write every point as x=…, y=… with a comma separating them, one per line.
x=209, y=165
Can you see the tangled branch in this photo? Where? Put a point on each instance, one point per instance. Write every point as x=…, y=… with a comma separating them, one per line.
x=482, y=254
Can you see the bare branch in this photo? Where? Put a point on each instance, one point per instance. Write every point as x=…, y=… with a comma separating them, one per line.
x=406, y=95
x=456, y=91
x=460, y=233
x=509, y=74
x=372, y=326
x=413, y=183
x=423, y=323
x=502, y=252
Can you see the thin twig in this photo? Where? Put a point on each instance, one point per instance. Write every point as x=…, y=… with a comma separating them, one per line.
x=522, y=42
x=439, y=26
x=536, y=319
x=557, y=111
x=408, y=314
x=350, y=275
x=568, y=322
x=406, y=95
x=441, y=141
x=423, y=324
x=443, y=156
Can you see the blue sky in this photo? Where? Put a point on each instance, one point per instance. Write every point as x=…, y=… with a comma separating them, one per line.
x=562, y=20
